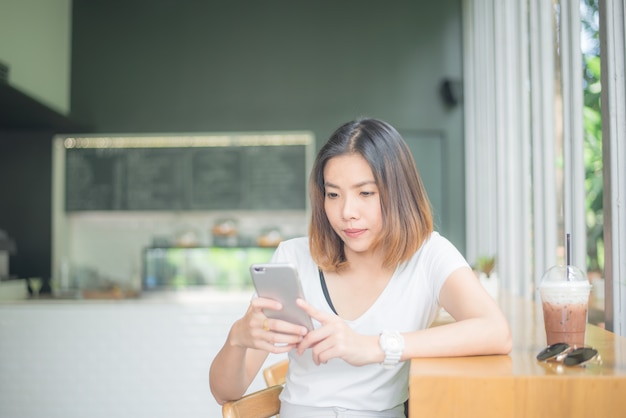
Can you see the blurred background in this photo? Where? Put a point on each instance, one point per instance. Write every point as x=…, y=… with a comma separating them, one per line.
x=151, y=150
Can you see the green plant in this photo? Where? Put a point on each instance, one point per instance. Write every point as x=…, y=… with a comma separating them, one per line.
x=592, y=119
x=486, y=264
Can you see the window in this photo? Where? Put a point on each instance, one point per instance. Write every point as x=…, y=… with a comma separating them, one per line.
x=524, y=137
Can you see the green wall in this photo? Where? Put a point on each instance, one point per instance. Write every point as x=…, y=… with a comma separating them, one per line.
x=208, y=66
x=35, y=44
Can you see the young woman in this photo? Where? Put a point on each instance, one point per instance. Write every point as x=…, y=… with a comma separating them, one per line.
x=374, y=274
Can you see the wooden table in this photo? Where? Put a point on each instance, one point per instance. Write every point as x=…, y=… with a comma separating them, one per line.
x=517, y=385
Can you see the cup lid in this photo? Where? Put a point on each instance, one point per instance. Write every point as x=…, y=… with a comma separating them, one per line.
x=564, y=274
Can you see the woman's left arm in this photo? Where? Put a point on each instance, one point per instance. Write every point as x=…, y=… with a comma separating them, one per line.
x=480, y=326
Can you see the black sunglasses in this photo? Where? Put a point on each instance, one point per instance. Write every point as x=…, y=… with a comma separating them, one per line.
x=562, y=352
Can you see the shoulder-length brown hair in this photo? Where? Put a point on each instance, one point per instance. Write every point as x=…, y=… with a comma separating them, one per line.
x=406, y=211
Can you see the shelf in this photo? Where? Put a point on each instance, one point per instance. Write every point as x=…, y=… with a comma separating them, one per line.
x=223, y=268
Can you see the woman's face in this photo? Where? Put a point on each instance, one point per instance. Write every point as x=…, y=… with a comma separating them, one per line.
x=352, y=202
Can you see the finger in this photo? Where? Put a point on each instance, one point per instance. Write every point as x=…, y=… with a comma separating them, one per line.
x=313, y=312
x=277, y=342
x=279, y=331
x=259, y=303
x=276, y=348
x=317, y=351
x=330, y=347
x=324, y=350
x=313, y=338
x=284, y=327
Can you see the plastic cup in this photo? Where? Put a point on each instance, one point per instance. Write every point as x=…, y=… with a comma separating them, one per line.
x=565, y=297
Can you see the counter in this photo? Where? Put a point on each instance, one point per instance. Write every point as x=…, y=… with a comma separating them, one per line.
x=126, y=358
x=517, y=385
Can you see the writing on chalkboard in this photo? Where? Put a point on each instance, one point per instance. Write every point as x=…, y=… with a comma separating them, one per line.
x=221, y=172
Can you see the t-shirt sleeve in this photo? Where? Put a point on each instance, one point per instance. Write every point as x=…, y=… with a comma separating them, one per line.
x=442, y=258
x=279, y=255
x=294, y=251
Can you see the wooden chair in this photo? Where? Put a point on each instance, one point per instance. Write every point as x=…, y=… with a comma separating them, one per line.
x=276, y=373
x=260, y=404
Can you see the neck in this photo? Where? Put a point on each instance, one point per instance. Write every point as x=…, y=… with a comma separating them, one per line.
x=367, y=261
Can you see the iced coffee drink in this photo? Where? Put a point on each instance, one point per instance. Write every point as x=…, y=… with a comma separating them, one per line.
x=565, y=297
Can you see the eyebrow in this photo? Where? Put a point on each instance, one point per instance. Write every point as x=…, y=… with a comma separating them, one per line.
x=356, y=186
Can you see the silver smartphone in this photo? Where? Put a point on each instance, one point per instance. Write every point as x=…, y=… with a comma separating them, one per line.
x=280, y=282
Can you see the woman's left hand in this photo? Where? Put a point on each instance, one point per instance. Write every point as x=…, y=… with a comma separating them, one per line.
x=335, y=339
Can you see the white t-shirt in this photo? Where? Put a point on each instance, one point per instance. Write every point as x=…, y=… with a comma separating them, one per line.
x=409, y=302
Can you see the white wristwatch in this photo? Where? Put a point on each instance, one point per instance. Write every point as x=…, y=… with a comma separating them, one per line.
x=392, y=344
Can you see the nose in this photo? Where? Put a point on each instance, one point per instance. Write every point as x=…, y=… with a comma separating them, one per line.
x=350, y=208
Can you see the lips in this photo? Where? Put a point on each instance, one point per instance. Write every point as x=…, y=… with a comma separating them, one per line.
x=354, y=233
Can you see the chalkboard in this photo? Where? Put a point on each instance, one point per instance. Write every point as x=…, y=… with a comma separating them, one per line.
x=230, y=177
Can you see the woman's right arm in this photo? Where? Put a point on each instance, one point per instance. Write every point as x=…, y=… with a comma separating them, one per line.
x=250, y=340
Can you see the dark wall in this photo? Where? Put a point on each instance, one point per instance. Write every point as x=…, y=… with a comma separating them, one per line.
x=207, y=66
x=25, y=200
x=204, y=65
x=26, y=130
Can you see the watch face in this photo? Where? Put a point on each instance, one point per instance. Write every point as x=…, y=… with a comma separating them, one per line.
x=393, y=343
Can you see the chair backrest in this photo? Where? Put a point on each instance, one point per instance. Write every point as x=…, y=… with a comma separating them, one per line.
x=260, y=404
x=276, y=373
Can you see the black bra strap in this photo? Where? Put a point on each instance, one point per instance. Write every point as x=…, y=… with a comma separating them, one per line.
x=326, y=294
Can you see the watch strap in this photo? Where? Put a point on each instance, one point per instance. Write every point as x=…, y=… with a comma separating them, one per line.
x=392, y=344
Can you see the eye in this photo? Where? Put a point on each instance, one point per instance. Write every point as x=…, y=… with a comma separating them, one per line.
x=331, y=195
x=366, y=194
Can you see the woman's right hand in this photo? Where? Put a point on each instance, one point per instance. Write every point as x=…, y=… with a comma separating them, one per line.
x=255, y=330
